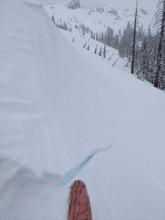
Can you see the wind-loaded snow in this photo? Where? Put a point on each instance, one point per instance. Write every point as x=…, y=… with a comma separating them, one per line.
x=56, y=107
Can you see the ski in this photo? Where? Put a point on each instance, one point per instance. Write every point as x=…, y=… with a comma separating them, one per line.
x=79, y=202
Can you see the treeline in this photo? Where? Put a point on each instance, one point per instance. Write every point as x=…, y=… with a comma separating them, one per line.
x=147, y=55
x=144, y=50
x=120, y=41
x=62, y=25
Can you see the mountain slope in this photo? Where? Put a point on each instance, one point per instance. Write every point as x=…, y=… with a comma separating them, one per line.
x=119, y=3
x=57, y=106
x=98, y=18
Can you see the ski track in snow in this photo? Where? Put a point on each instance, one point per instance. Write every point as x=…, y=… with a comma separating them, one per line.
x=152, y=177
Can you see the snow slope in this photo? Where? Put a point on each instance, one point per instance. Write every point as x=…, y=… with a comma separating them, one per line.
x=119, y=3
x=98, y=18
x=56, y=107
x=87, y=45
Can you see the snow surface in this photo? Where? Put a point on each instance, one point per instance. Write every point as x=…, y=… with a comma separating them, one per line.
x=81, y=43
x=120, y=3
x=58, y=105
x=99, y=18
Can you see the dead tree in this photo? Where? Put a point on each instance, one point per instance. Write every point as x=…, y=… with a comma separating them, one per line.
x=134, y=40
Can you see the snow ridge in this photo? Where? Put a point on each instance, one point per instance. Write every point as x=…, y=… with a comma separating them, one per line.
x=56, y=106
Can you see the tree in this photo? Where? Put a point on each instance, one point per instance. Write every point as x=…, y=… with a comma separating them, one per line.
x=96, y=49
x=161, y=20
x=104, y=51
x=134, y=40
x=53, y=19
x=109, y=37
x=125, y=42
x=88, y=47
x=142, y=60
x=100, y=52
x=116, y=41
x=84, y=46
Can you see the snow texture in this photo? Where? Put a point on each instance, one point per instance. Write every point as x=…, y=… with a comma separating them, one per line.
x=57, y=105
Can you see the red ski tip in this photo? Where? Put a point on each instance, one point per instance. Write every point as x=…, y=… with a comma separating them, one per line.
x=79, y=202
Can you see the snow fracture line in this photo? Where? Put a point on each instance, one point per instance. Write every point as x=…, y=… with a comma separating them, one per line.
x=72, y=173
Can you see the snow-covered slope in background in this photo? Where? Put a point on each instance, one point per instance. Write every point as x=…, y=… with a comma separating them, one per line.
x=147, y=5
x=98, y=18
x=57, y=106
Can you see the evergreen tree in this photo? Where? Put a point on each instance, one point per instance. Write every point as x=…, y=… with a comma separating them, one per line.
x=159, y=75
x=125, y=42
x=95, y=50
x=104, y=51
x=84, y=46
x=100, y=52
x=53, y=20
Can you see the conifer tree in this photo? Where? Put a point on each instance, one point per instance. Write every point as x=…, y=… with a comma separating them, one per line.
x=88, y=47
x=100, y=52
x=159, y=75
x=104, y=51
x=95, y=50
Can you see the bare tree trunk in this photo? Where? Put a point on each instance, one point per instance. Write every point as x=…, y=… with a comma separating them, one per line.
x=134, y=41
x=160, y=50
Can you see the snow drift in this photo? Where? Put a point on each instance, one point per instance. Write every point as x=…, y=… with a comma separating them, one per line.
x=55, y=108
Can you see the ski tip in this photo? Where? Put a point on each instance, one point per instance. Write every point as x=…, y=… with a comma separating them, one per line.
x=79, y=202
